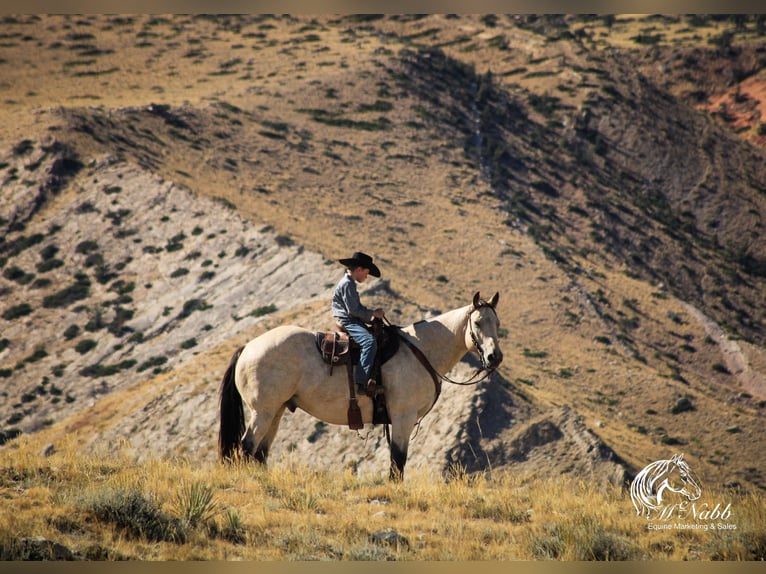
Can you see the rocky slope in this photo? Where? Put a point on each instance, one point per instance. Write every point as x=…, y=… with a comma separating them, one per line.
x=148, y=236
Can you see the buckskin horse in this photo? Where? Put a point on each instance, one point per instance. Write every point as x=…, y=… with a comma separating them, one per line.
x=282, y=369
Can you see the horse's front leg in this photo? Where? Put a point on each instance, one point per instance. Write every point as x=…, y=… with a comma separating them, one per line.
x=401, y=429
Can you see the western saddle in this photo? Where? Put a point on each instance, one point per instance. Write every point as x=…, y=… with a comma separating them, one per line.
x=337, y=348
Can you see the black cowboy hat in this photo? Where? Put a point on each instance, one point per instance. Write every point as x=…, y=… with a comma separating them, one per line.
x=360, y=259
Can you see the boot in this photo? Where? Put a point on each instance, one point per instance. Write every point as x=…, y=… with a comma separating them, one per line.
x=371, y=388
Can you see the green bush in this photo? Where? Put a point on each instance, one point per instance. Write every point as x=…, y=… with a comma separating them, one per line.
x=155, y=361
x=18, y=275
x=136, y=515
x=79, y=290
x=191, y=306
x=189, y=343
x=17, y=311
x=86, y=247
x=195, y=504
x=581, y=539
x=49, y=265
x=97, y=370
x=85, y=345
x=71, y=332
x=48, y=252
x=265, y=310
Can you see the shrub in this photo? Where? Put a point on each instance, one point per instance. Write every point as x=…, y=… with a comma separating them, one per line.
x=682, y=405
x=18, y=275
x=37, y=355
x=71, y=332
x=195, y=504
x=535, y=354
x=232, y=530
x=97, y=370
x=49, y=252
x=121, y=316
x=581, y=538
x=265, y=310
x=23, y=147
x=85, y=345
x=719, y=368
x=49, y=264
x=191, y=306
x=17, y=311
x=80, y=289
x=155, y=361
x=136, y=515
x=86, y=247
x=175, y=243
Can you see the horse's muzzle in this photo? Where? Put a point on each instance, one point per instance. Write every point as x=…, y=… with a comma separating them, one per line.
x=494, y=359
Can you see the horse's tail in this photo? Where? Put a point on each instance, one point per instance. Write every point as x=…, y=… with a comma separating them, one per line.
x=232, y=423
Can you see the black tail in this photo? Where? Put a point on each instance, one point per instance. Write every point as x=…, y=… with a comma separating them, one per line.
x=232, y=425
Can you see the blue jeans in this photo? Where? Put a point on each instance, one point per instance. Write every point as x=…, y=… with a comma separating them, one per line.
x=359, y=333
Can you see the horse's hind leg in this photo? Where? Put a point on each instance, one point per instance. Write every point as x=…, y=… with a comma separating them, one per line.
x=260, y=433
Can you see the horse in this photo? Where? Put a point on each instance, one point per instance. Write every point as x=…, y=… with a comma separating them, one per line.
x=283, y=369
x=647, y=491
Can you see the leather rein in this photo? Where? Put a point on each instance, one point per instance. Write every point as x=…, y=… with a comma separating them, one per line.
x=438, y=377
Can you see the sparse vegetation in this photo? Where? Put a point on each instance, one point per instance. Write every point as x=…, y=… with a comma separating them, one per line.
x=165, y=510
x=263, y=310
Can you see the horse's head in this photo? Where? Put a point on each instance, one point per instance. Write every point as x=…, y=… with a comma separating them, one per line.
x=481, y=334
x=681, y=479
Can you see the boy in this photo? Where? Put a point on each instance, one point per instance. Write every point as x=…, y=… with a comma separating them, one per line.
x=349, y=312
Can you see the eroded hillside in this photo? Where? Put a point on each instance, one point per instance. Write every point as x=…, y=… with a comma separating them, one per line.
x=222, y=165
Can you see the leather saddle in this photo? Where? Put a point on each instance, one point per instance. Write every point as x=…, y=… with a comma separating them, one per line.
x=337, y=348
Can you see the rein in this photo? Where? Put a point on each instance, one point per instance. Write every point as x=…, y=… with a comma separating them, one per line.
x=438, y=377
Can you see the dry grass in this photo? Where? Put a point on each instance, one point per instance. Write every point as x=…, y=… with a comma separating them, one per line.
x=104, y=506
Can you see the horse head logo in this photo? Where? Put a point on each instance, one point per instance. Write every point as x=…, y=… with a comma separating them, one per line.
x=657, y=480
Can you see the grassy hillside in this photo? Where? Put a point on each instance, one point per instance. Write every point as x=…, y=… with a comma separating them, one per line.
x=174, y=185
x=103, y=507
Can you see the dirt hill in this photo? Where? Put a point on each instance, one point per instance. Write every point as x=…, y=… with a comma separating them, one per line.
x=173, y=186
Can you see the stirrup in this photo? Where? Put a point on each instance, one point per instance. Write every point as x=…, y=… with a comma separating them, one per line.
x=372, y=387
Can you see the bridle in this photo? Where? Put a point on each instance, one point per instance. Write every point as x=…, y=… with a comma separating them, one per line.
x=477, y=376
x=475, y=339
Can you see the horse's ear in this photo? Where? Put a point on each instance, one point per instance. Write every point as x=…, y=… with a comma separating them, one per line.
x=493, y=301
x=476, y=299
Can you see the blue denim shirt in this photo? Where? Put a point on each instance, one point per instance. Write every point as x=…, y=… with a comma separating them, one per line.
x=346, y=304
